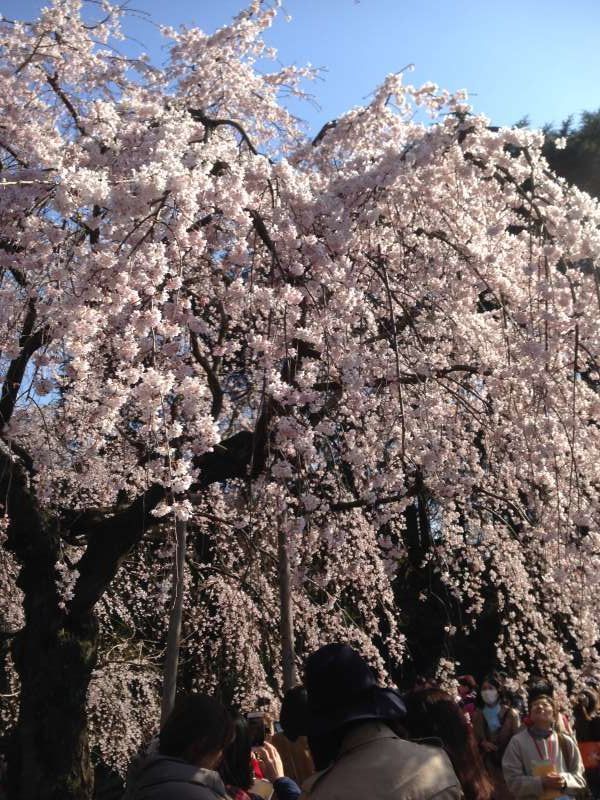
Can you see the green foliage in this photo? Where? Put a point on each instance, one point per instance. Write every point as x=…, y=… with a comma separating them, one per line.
x=579, y=161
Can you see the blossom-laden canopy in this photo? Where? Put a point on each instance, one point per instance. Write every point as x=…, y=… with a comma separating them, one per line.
x=395, y=315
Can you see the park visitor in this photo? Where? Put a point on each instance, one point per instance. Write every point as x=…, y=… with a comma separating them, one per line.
x=238, y=773
x=191, y=744
x=284, y=787
x=291, y=741
x=494, y=724
x=433, y=717
x=236, y=768
x=587, y=729
x=540, y=761
x=467, y=692
x=354, y=747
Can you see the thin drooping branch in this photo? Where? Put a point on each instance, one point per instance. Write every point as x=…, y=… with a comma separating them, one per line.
x=407, y=379
x=286, y=601
x=368, y=505
x=394, y=341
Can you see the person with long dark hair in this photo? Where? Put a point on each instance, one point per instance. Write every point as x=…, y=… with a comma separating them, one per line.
x=434, y=718
x=238, y=774
x=494, y=725
x=236, y=766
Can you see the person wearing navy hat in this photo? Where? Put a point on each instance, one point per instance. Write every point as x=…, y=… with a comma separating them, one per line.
x=354, y=730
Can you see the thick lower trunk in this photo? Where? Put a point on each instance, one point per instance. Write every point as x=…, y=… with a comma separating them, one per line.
x=54, y=656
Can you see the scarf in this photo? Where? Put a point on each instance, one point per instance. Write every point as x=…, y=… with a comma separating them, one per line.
x=540, y=733
x=492, y=717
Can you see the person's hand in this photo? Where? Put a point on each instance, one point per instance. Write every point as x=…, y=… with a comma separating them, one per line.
x=553, y=781
x=270, y=761
x=489, y=747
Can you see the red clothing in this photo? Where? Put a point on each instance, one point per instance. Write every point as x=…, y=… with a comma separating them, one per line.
x=237, y=794
x=256, y=768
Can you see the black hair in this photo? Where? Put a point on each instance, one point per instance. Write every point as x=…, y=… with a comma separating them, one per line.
x=540, y=688
x=236, y=767
x=257, y=730
x=497, y=682
x=195, y=718
x=294, y=713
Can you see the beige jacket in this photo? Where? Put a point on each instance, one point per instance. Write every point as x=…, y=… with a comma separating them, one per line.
x=297, y=762
x=375, y=764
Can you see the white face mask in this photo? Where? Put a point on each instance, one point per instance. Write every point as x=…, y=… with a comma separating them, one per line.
x=489, y=696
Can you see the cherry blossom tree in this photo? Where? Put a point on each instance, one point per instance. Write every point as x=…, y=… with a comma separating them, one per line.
x=334, y=359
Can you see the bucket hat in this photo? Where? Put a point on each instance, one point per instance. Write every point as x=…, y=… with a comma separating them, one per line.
x=342, y=688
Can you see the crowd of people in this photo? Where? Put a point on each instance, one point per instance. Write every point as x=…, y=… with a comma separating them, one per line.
x=342, y=736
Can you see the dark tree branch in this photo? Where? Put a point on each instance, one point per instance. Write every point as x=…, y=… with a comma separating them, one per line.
x=211, y=123
x=229, y=459
x=10, y=247
x=29, y=342
x=265, y=237
x=109, y=544
x=14, y=154
x=324, y=130
x=201, y=223
x=213, y=381
x=368, y=505
x=112, y=537
x=53, y=81
x=27, y=534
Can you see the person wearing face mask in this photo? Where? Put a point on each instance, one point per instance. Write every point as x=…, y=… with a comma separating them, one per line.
x=494, y=725
x=540, y=762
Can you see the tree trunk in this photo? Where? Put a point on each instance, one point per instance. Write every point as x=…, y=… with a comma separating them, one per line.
x=174, y=634
x=56, y=651
x=288, y=652
x=54, y=656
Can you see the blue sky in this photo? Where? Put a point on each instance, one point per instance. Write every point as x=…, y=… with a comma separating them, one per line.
x=516, y=57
